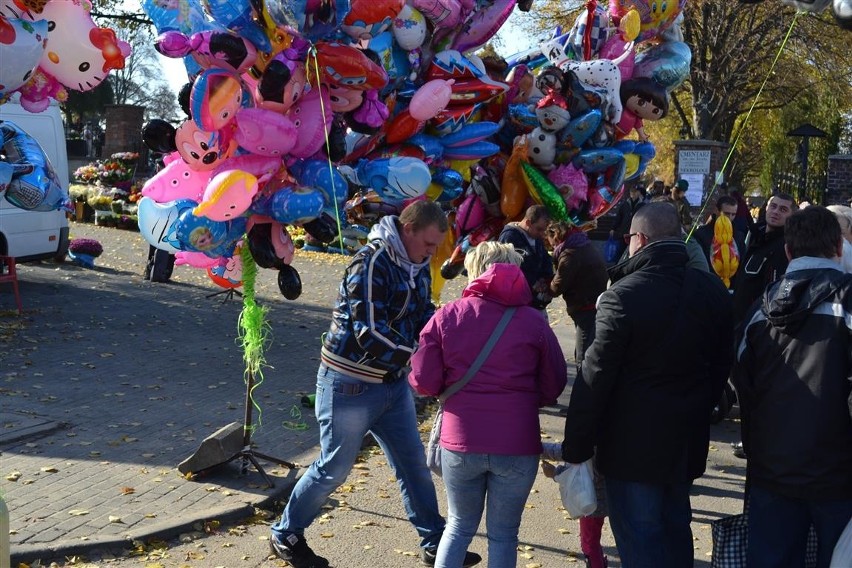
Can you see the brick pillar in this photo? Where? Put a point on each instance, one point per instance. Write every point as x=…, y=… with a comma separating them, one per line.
x=699, y=158
x=123, y=129
x=838, y=185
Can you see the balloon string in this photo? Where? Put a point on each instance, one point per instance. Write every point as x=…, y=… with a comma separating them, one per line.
x=253, y=331
x=743, y=125
x=313, y=55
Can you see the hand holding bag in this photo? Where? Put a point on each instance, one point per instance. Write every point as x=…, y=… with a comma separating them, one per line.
x=433, y=449
x=577, y=489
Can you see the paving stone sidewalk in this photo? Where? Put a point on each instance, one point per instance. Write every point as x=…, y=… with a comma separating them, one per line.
x=108, y=382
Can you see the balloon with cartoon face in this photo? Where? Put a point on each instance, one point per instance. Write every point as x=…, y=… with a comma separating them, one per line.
x=201, y=150
x=156, y=221
x=311, y=122
x=216, y=97
x=265, y=132
x=655, y=15
x=176, y=181
x=79, y=54
x=368, y=18
x=282, y=84
x=227, y=196
x=22, y=44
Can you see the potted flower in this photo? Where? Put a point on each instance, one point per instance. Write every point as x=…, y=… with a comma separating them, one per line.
x=85, y=251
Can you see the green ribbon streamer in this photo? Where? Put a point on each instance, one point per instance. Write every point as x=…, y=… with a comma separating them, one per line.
x=253, y=331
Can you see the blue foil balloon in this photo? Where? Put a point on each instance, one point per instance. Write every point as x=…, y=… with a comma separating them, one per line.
x=34, y=185
x=327, y=179
x=666, y=63
x=237, y=16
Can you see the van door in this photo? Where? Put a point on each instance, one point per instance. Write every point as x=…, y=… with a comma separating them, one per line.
x=35, y=235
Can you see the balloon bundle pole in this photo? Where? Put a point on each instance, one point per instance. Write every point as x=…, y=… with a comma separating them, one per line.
x=313, y=57
x=744, y=123
x=253, y=334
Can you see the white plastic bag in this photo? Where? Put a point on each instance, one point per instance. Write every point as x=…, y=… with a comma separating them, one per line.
x=842, y=556
x=577, y=489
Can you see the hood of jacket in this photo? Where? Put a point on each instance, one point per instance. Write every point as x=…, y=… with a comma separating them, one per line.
x=809, y=282
x=386, y=231
x=572, y=241
x=668, y=252
x=501, y=283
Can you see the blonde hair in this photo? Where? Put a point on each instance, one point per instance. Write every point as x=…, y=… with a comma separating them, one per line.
x=487, y=253
x=842, y=212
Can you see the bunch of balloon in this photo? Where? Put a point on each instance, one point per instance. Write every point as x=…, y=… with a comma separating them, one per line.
x=297, y=112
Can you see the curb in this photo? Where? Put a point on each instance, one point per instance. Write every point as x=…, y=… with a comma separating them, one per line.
x=27, y=553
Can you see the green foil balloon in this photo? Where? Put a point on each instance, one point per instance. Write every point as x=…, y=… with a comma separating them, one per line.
x=543, y=191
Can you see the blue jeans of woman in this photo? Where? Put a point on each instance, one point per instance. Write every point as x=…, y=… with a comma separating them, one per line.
x=498, y=483
x=346, y=410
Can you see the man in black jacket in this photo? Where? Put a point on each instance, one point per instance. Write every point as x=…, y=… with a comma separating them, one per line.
x=662, y=351
x=527, y=236
x=793, y=373
x=764, y=260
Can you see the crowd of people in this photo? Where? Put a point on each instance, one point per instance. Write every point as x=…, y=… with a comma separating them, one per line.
x=658, y=336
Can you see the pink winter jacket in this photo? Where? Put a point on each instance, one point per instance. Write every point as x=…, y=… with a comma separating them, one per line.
x=497, y=411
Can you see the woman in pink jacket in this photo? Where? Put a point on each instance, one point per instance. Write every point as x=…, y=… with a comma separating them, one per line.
x=490, y=437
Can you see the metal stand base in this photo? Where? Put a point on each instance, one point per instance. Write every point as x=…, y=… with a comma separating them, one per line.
x=229, y=294
x=214, y=451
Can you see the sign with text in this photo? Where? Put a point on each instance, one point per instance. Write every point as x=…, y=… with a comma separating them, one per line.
x=695, y=191
x=693, y=162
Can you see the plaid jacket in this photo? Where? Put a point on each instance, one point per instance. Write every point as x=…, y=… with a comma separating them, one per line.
x=378, y=315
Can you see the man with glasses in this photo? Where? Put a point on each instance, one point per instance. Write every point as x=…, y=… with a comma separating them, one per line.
x=662, y=350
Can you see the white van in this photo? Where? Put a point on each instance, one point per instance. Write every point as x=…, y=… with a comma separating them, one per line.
x=36, y=235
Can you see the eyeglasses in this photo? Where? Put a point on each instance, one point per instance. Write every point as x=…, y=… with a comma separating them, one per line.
x=629, y=236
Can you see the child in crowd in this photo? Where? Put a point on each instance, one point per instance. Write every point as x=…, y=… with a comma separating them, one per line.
x=591, y=526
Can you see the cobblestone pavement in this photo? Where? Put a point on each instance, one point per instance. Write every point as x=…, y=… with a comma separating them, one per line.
x=109, y=381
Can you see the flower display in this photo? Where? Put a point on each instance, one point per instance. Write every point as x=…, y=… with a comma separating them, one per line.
x=89, y=247
x=119, y=168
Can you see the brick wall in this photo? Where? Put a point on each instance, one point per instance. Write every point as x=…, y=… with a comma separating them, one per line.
x=838, y=187
x=123, y=129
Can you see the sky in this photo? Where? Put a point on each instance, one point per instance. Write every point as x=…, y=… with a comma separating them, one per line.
x=512, y=40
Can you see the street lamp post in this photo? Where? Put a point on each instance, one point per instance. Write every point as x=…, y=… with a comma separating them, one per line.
x=805, y=132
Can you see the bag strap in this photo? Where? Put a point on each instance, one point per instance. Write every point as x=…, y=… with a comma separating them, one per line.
x=480, y=359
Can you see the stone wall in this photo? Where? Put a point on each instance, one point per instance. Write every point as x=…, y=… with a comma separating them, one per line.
x=123, y=129
x=838, y=187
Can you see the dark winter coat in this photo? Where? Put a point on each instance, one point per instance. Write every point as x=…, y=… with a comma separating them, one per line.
x=794, y=378
x=764, y=262
x=662, y=351
x=581, y=274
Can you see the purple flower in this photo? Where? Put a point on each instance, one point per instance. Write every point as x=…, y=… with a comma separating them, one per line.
x=89, y=247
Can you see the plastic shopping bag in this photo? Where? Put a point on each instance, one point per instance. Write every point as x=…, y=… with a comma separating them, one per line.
x=577, y=489
x=611, y=250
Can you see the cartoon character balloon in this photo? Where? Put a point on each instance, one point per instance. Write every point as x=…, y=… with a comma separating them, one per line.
x=80, y=54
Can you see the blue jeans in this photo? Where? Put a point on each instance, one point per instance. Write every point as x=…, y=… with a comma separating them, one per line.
x=346, y=410
x=650, y=523
x=778, y=528
x=506, y=482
